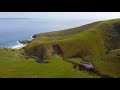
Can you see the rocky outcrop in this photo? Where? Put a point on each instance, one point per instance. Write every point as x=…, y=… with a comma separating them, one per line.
x=34, y=36
x=25, y=41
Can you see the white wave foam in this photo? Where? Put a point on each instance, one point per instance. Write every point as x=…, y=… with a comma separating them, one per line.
x=18, y=46
x=32, y=36
x=18, y=43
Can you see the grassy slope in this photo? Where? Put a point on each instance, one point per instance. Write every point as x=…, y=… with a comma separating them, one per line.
x=110, y=63
x=90, y=42
x=70, y=39
x=12, y=65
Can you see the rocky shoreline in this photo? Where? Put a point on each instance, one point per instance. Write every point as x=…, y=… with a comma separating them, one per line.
x=24, y=42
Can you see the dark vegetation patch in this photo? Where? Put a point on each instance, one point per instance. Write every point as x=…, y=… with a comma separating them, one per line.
x=93, y=71
x=90, y=70
x=57, y=49
x=111, y=33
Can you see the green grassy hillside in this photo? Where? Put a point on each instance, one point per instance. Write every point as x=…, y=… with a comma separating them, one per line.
x=97, y=43
x=110, y=63
x=89, y=43
x=14, y=65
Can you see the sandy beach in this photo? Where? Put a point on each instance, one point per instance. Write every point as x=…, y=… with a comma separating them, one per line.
x=18, y=46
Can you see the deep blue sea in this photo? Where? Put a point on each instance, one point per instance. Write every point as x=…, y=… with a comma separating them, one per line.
x=15, y=29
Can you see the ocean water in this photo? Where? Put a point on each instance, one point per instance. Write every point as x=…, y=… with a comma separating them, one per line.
x=15, y=29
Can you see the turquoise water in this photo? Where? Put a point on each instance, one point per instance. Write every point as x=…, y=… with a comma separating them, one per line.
x=15, y=29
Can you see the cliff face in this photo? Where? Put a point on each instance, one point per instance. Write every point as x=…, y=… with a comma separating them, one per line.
x=44, y=51
x=40, y=51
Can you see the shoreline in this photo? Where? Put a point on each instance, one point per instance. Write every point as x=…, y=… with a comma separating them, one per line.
x=15, y=47
x=18, y=46
x=32, y=36
x=18, y=42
